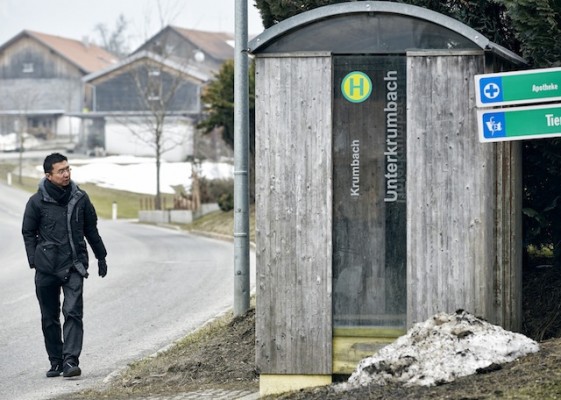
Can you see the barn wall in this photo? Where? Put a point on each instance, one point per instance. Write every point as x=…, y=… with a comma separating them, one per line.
x=53, y=83
x=127, y=90
x=45, y=63
x=294, y=214
x=451, y=190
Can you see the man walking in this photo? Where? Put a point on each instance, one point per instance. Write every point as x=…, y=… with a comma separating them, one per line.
x=57, y=218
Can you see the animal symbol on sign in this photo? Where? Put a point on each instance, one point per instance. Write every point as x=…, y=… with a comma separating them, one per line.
x=493, y=126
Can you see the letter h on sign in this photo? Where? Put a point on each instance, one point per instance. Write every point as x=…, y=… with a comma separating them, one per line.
x=354, y=86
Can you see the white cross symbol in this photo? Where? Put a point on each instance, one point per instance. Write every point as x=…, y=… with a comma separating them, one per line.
x=491, y=90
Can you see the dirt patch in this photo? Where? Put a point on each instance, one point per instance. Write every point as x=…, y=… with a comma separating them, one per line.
x=221, y=355
x=224, y=357
x=227, y=358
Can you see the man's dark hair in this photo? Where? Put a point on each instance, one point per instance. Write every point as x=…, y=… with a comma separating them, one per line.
x=52, y=159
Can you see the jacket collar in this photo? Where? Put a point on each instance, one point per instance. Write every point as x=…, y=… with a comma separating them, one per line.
x=74, y=190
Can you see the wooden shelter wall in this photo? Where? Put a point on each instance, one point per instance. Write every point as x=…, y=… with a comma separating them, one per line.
x=451, y=192
x=293, y=215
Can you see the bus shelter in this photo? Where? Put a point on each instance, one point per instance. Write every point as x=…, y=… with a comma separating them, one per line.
x=376, y=206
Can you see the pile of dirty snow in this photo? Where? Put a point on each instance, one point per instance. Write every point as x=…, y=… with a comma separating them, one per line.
x=441, y=349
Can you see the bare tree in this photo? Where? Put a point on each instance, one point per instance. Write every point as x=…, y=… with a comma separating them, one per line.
x=116, y=40
x=25, y=101
x=162, y=87
x=164, y=90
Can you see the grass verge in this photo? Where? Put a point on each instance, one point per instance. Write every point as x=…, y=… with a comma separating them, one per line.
x=221, y=223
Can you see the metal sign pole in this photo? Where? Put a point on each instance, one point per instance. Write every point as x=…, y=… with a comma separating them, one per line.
x=241, y=165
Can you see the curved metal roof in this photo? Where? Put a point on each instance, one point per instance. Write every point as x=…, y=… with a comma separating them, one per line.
x=355, y=7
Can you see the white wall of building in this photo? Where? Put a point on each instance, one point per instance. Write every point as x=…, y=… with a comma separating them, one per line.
x=135, y=137
x=67, y=126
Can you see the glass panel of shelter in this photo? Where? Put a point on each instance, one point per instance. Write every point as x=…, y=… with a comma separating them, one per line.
x=369, y=199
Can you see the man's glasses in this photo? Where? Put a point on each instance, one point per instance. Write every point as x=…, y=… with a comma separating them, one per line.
x=61, y=172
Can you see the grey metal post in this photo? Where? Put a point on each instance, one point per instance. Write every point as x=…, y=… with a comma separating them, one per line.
x=241, y=164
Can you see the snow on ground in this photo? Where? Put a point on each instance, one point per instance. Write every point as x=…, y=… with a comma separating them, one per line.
x=439, y=350
x=10, y=142
x=138, y=174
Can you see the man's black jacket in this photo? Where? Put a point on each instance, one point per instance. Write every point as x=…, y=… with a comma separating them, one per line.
x=47, y=227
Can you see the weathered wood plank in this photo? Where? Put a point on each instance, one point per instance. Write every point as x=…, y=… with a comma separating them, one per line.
x=293, y=215
x=451, y=191
x=508, y=274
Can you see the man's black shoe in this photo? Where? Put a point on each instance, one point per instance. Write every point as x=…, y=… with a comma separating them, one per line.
x=71, y=369
x=56, y=370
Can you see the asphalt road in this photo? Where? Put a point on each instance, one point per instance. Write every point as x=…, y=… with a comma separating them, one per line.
x=161, y=285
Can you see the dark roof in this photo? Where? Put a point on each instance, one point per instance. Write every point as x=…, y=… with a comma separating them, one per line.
x=220, y=45
x=87, y=57
x=188, y=70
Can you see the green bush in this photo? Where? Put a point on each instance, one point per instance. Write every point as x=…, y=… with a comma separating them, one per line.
x=212, y=190
x=226, y=201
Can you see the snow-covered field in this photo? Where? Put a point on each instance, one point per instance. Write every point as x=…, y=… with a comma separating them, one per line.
x=138, y=174
x=10, y=142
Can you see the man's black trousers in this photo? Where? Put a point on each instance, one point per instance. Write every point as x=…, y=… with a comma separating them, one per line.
x=62, y=344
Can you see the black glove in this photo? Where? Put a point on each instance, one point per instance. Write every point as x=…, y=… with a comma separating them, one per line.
x=102, y=265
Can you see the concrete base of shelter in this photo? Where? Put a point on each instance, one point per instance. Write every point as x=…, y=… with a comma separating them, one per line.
x=277, y=384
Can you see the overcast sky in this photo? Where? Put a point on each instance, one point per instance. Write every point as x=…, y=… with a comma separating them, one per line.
x=77, y=19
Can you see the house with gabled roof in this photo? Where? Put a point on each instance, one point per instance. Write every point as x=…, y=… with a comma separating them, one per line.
x=207, y=50
x=41, y=82
x=143, y=100
x=153, y=97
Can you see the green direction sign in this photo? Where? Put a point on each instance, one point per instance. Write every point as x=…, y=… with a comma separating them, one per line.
x=517, y=123
x=531, y=86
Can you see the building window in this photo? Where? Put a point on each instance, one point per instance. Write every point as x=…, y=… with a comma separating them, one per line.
x=27, y=68
x=169, y=50
x=154, y=72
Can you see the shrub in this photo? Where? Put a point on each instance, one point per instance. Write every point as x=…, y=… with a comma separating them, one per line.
x=211, y=190
x=226, y=201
